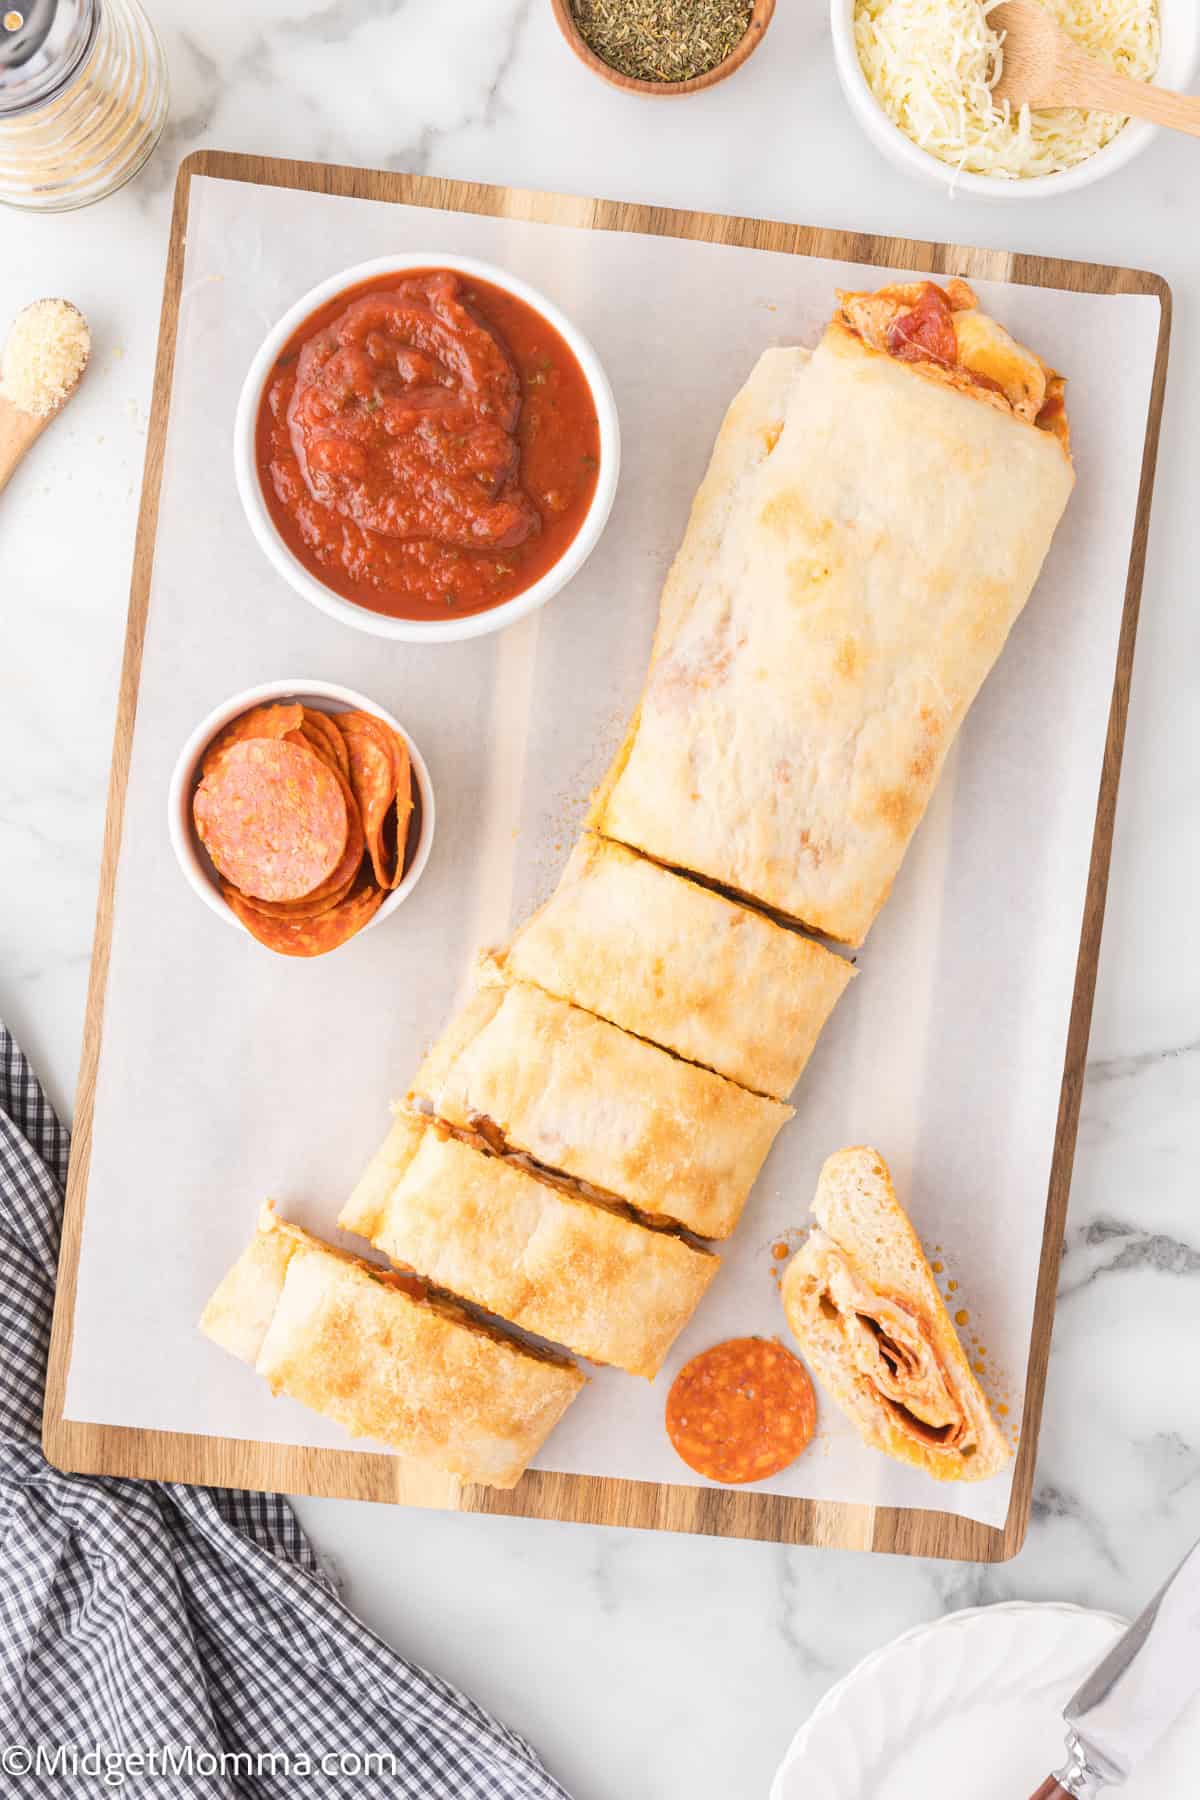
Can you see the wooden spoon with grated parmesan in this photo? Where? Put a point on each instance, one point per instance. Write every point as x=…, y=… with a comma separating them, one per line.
x=44, y=357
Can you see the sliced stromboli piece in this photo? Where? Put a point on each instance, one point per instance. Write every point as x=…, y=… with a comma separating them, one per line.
x=866, y=1311
x=386, y=1359
x=535, y=1253
x=675, y=963
x=815, y=661
x=530, y=1072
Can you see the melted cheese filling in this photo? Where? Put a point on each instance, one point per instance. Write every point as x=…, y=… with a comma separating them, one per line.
x=981, y=357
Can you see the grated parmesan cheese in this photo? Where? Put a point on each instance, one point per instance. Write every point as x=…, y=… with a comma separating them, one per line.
x=44, y=356
x=932, y=64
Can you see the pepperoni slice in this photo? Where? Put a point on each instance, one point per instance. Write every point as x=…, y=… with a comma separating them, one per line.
x=404, y=806
x=1052, y=416
x=366, y=724
x=372, y=776
x=310, y=936
x=275, y=721
x=273, y=818
x=337, y=885
x=322, y=733
x=926, y=332
x=381, y=776
x=741, y=1411
x=324, y=898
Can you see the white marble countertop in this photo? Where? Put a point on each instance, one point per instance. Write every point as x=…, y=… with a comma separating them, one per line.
x=648, y=1666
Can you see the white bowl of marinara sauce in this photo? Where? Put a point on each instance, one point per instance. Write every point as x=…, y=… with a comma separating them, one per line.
x=569, y=351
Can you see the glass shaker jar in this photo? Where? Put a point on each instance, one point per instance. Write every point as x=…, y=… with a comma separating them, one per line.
x=83, y=99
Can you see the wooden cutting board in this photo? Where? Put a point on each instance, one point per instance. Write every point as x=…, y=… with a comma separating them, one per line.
x=167, y=1456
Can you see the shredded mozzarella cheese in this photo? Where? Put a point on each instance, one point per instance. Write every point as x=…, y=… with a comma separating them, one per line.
x=932, y=65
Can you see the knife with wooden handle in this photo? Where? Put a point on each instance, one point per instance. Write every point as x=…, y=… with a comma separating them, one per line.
x=1135, y=1695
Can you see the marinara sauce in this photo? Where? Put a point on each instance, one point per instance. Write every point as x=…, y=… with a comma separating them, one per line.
x=427, y=444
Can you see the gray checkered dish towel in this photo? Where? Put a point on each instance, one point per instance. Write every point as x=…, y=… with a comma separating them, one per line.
x=135, y=1615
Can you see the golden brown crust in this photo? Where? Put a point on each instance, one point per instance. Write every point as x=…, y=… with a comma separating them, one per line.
x=863, y=1304
x=581, y=1096
x=681, y=966
x=349, y=1341
x=575, y=1273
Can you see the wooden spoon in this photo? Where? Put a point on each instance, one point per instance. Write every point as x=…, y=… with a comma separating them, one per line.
x=1043, y=66
x=19, y=430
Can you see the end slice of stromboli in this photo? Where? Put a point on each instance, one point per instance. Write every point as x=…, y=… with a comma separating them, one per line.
x=386, y=1359
x=833, y=613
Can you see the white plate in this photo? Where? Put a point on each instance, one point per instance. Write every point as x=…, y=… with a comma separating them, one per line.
x=971, y=1705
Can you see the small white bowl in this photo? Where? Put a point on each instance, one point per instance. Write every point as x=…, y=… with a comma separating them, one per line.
x=424, y=631
x=1177, y=64
x=323, y=696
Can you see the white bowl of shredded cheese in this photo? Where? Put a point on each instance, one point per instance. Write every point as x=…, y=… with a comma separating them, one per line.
x=918, y=75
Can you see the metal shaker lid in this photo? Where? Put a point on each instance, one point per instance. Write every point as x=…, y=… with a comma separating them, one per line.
x=42, y=43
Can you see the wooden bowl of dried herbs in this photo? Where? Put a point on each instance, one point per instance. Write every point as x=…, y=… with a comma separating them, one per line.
x=663, y=46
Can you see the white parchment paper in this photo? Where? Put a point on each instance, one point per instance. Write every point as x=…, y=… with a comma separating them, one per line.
x=228, y=1074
